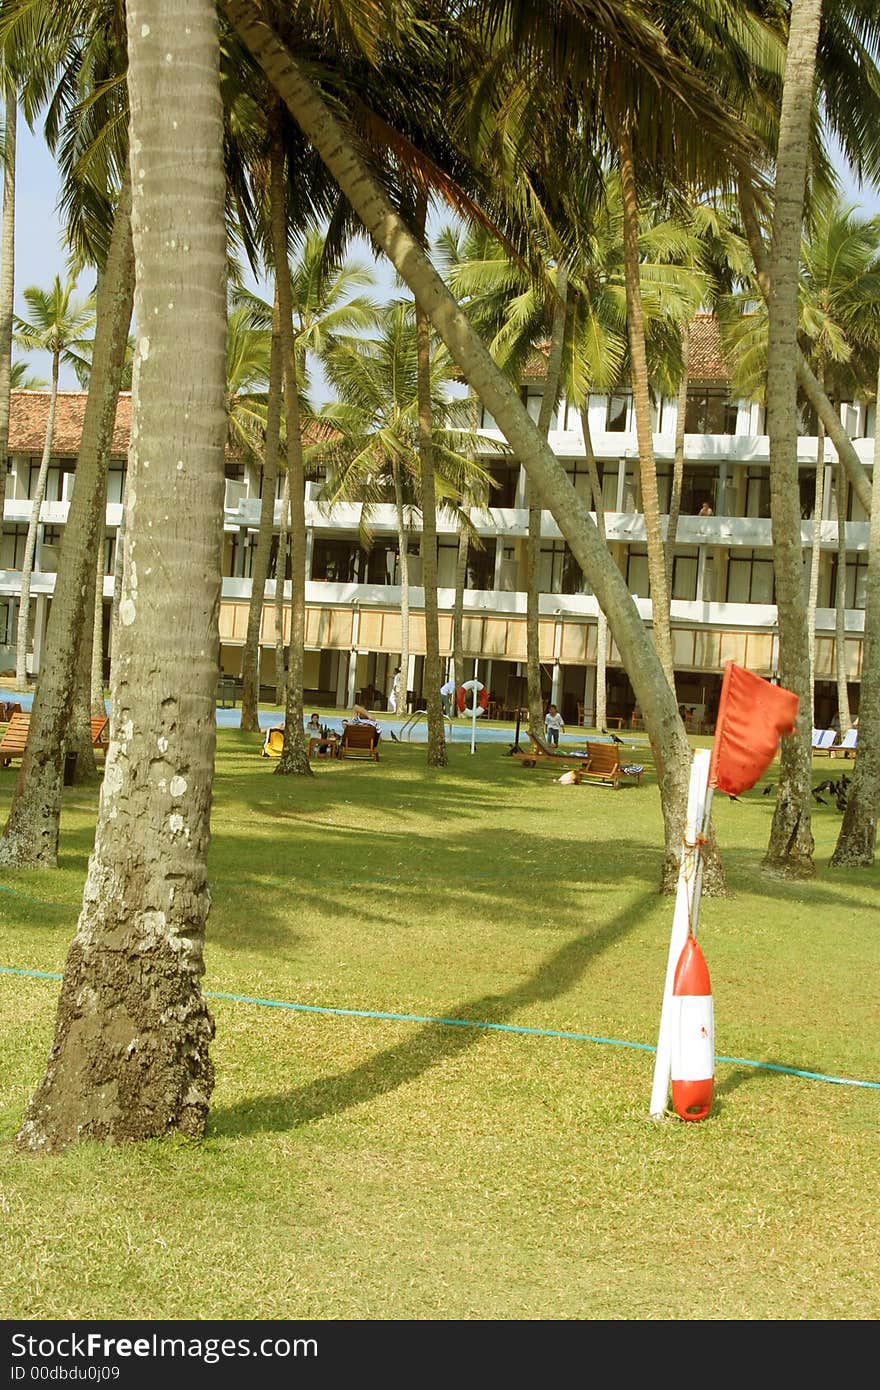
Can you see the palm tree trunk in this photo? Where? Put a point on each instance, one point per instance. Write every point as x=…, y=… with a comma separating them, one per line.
x=79, y=728
x=642, y=405
x=130, y=1058
x=602, y=621
x=856, y=843
x=678, y=459
x=339, y=153
x=96, y=701
x=403, y=549
x=533, y=543
x=7, y=283
x=436, y=735
x=458, y=608
x=250, y=666
x=31, y=833
x=790, y=847
x=295, y=755
x=280, y=581
x=814, y=393
x=815, y=557
x=30, y=545
x=844, y=718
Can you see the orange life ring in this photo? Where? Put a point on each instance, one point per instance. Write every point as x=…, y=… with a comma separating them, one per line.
x=481, y=699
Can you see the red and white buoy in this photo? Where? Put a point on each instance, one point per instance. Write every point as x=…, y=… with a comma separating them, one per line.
x=693, y=1035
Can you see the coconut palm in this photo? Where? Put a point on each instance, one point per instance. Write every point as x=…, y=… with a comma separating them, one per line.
x=22, y=379
x=376, y=458
x=57, y=324
x=148, y=1070
x=325, y=305
x=7, y=277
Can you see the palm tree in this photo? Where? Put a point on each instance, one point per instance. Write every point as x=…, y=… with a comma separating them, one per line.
x=21, y=378
x=377, y=456
x=338, y=150
x=7, y=279
x=324, y=307
x=58, y=324
x=124, y=1074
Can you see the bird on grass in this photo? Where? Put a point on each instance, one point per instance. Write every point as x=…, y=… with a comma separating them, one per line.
x=613, y=737
x=768, y=789
x=394, y=737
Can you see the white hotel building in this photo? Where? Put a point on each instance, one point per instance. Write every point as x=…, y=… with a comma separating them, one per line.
x=723, y=585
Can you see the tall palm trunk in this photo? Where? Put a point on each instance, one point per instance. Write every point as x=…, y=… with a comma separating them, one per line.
x=403, y=550
x=96, y=701
x=533, y=544
x=434, y=701
x=7, y=283
x=79, y=728
x=130, y=1059
x=602, y=621
x=250, y=666
x=814, y=393
x=790, y=847
x=295, y=754
x=857, y=841
x=31, y=833
x=844, y=718
x=635, y=322
x=458, y=606
x=280, y=581
x=30, y=545
x=815, y=557
x=338, y=151
x=678, y=459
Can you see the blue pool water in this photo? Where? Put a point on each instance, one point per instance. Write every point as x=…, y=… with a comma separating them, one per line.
x=457, y=731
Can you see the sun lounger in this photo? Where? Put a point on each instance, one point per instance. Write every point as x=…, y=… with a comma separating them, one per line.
x=12, y=744
x=359, y=741
x=823, y=740
x=847, y=745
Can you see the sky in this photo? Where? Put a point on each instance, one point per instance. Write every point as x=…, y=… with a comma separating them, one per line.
x=39, y=253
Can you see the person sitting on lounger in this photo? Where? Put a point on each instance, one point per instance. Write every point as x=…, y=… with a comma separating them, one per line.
x=361, y=716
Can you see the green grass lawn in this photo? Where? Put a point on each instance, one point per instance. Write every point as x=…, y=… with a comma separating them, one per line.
x=357, y=1167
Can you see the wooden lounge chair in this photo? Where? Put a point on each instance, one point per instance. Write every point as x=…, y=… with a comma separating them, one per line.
x=847, y=745
x=604, y=765
x=540, y=749
x=823, y=740
x=12, y=744
x=359, y=741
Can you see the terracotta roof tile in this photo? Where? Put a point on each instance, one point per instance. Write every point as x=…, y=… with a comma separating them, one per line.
x=29, y=411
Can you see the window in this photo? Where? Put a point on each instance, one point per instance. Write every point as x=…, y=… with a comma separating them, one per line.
x=807, y=486
x=617, y=413
x=559, y=572
x=710, y=411
x=336, y=561
x=480, y=568
x=637, y=573
x=750, y=578
x=506, y=477
x=856, y=578
x=758, y=492
x=579, y=476
x=532, y=397
x=684, y=576
x=116, y=483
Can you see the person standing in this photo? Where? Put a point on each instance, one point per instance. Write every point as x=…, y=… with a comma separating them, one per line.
x=553, y=726
x=394, y=702
x=448, y=691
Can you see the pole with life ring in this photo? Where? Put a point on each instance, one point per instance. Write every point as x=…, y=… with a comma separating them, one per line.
x=479, y=700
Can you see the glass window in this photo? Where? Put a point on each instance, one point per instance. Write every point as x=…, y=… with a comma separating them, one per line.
x=710, y=410
x=750, y=578
x=758, y=492
x=617, y=414
x=684, y=577
x=637, y=573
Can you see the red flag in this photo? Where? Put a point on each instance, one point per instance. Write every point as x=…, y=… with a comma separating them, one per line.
x=752, y=716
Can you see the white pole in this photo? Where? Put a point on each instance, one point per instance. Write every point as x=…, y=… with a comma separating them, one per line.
x=474, y=714
x=686, y=902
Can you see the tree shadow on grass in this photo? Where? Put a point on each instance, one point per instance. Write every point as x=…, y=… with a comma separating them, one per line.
x=431, y=1044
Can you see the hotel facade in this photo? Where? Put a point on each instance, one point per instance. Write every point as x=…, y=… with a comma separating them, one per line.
x=723, y=591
